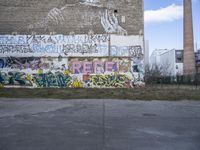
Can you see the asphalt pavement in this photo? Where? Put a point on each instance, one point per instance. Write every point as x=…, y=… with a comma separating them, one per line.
x=33, y=124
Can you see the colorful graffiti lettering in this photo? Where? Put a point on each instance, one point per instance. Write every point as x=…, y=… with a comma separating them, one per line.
x=31, y=63
x=39, y=80
x=119, y=81
x=52, y=80
x=14, y=78
x=77, y=84
x=90, y=67
x=62, y=80
x=21, y=63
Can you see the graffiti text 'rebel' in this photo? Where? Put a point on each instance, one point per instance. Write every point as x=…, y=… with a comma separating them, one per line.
x=97, y=67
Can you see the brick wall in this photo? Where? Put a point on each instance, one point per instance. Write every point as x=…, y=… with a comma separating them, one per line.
x=71, y=16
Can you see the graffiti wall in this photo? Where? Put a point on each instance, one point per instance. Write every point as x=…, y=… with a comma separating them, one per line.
x=53, y=45
x=102, y=61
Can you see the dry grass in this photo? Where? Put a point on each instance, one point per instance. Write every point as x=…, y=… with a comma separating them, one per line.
x=147, y=93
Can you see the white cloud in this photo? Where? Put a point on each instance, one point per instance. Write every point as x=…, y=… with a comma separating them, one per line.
x=167, y=14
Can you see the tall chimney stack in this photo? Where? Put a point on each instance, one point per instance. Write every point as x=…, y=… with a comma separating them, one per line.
x=189, y=57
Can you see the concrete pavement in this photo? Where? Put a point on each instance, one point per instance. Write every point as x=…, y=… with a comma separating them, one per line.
x=30, y=124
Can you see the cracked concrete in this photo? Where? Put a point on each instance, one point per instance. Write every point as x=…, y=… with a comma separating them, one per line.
x=29, y=124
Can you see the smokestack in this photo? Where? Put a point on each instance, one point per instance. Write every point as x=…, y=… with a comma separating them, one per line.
x=189, y=57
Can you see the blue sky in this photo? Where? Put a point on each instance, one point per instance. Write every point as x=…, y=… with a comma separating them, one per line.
x=164, y=23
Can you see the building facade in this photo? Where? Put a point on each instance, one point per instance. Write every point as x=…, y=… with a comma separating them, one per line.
x=71, y=43
x=170, y=62
x=155, y=57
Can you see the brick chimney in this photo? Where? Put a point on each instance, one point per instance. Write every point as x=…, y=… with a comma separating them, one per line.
x=189, y=57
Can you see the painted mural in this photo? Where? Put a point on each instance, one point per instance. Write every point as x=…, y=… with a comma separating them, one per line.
x=59, y=61
x=93, y=12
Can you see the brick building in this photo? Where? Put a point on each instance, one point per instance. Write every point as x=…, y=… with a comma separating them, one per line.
x=71, y=43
